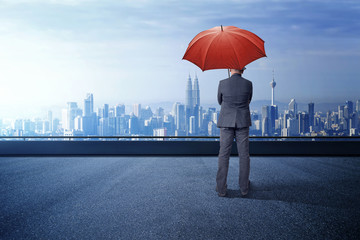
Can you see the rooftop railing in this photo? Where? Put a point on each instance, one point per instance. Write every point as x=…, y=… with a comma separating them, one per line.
x=183, y=138
x=174, y=145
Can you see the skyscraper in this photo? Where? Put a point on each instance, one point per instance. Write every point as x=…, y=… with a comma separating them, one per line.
x=89, y=119
x=137, y=110
x=119, y=110
x=311, y=114
x=270, y=113
x=293, y=108
x=192, y=103
x=350, y=106
x=189, y=94
x=69, y=114
x=273, y=117
x=196, y=92
x=303, y=119
x=50, y=119
x=192, y=125
x=105, y=111
x=174, y=109
x=341, y=112
x=88, y=105
x=265, y=119
x=180, y=119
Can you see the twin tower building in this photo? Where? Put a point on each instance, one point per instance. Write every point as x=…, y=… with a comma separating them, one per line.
x=192, y=94
x=192, y=106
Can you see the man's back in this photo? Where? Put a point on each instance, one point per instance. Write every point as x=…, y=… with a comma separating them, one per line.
x=234, y=96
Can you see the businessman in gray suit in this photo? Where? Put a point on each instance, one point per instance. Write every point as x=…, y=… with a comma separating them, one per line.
x=234, y=96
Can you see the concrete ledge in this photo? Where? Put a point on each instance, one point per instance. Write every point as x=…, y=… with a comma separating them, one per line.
x=188, y=148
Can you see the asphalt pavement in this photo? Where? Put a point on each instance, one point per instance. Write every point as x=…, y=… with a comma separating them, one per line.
x=175, y=198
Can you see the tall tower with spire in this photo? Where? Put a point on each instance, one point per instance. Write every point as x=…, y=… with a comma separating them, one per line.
x=272, y=85
x=189, y=94
x=196, y=92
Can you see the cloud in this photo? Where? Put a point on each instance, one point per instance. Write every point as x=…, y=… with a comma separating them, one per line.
x=124, y=50
x=57, y=2
x=333, y=52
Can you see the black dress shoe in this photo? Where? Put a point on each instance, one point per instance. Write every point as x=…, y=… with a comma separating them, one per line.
x=221, y=194
x=243, y=194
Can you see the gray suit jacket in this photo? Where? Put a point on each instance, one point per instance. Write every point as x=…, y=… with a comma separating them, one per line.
x=234, y=96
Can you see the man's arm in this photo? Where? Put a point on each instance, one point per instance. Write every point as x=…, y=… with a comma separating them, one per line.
x=251, y=92
x=219, y=95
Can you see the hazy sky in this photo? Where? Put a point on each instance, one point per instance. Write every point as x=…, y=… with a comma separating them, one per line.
x=127, y=51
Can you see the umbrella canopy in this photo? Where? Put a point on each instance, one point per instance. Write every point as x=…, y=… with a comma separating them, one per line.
x=225, y=47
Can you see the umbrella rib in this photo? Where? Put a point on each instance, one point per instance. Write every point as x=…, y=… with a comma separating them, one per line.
x=197, y=40
x=207, y=50
x=257, y=39
x=249, y=36
x=233, y=48
x=256, y=47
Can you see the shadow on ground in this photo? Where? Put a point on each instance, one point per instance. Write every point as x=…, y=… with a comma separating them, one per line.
x=303, y=192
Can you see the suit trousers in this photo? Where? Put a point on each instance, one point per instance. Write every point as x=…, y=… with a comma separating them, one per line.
x=227, y=136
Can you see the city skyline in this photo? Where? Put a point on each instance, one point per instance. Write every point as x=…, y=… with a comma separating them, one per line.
x=130, y=51
x=186, y=118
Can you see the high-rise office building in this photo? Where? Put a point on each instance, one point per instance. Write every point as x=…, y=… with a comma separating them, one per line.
x=56, y=124
x=105, y=111
x=137, y=110
x=192, y=124
x=269, y=117
x=134, y=124
x=273, y=117
x=311, y=114
x=180, y=118
x=293, y=108
x=346, y=112
x=197, y=114
x=88, y=105
x=50, y=119
x=103, y=127
x=174, y=107
x=78, y=123
x=69, y=114
x=112, y=124
x=160, y=112
x=293, y=127
x=146, y=113
x=303, y=119
x=119, y=110
x=265, y=119
x=341, y=112
x=350, y=106
x=358, y=105
x=89, y=119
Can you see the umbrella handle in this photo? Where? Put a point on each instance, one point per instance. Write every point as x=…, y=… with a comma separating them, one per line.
x=229, y=72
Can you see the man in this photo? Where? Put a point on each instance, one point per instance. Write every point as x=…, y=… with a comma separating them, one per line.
x=234, y=96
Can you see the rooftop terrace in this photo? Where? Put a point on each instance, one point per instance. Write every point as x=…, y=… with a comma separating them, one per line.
x=129, y=197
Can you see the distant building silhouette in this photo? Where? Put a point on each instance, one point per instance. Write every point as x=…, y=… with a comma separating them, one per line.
x=311, y=115
x=69, y=114
x=273, y=84
x=293, y=108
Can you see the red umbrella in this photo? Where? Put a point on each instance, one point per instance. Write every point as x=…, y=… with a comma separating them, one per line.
x=225, y=47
